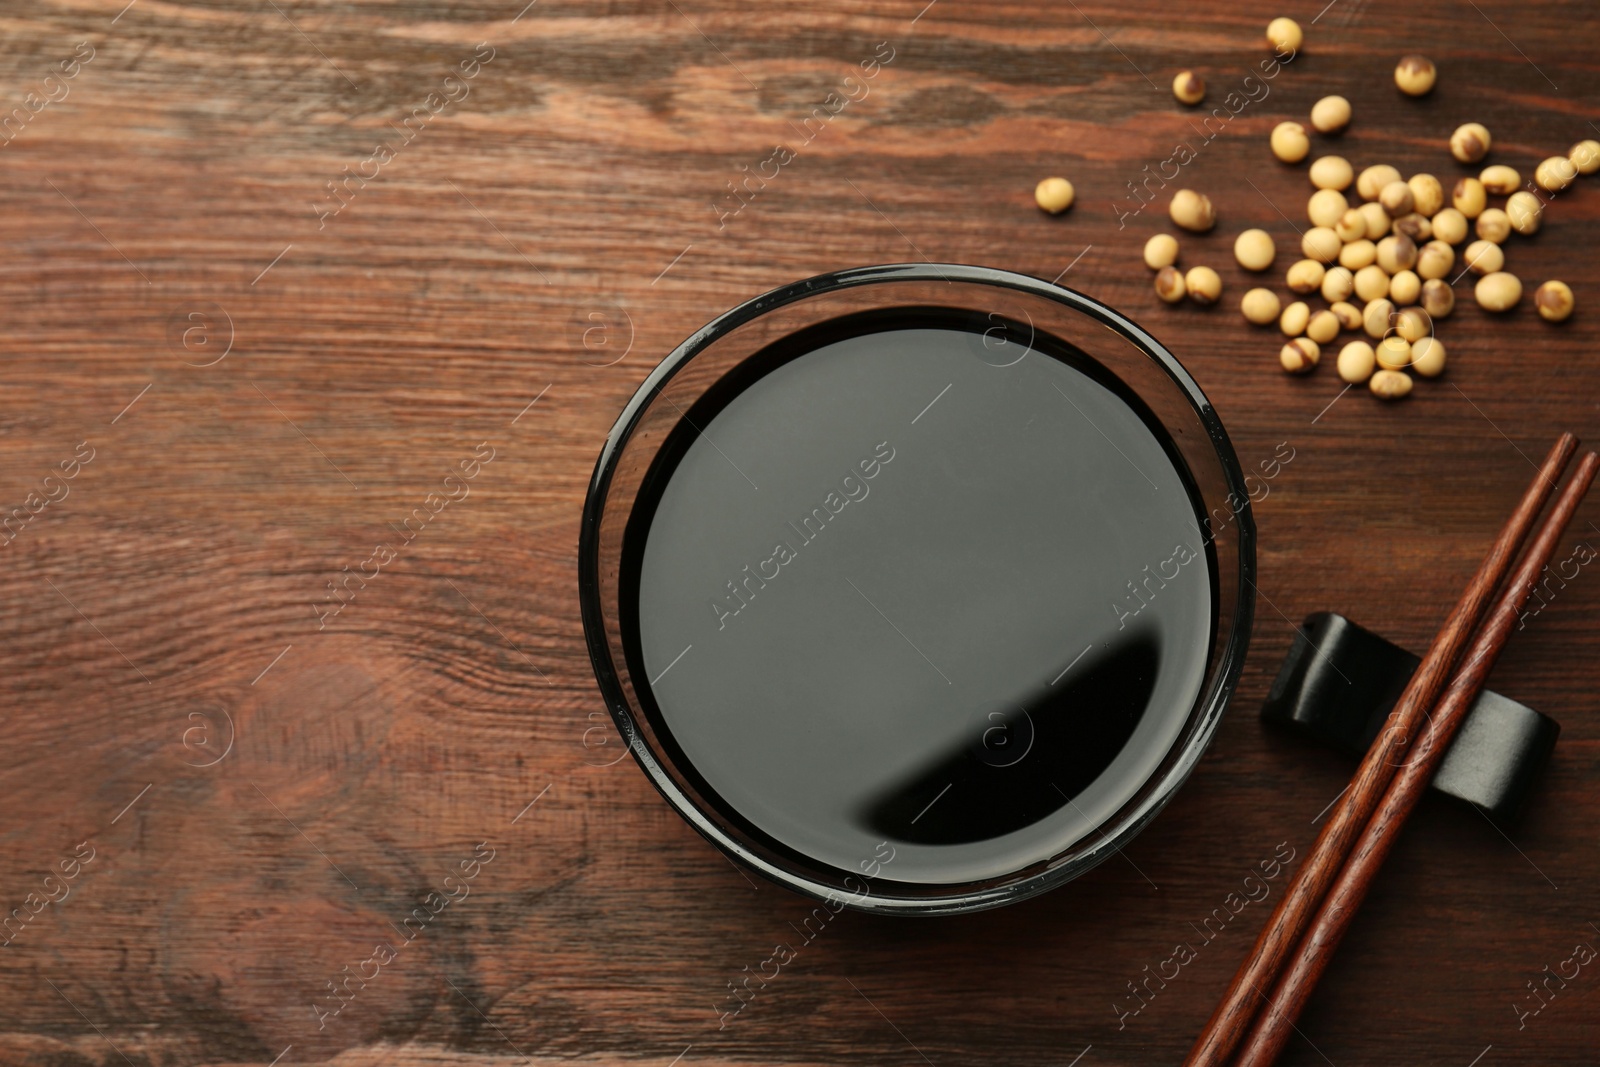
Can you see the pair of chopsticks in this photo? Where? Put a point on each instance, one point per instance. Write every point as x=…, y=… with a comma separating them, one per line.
x=1257, y=1015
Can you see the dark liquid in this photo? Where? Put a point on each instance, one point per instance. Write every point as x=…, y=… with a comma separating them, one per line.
x=904, y=580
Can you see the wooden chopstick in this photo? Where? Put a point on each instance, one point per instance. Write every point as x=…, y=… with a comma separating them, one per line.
x=1338, y=910
x=1293, y=914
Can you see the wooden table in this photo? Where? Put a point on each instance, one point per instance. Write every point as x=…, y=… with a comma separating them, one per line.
x=254, y=378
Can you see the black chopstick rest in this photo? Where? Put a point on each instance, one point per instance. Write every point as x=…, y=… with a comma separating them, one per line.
x=1339, y=682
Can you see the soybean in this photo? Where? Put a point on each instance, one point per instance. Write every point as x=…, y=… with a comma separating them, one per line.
x=1450, y=226
x=1500, y=179
x=1375, y=318
x=1305, y=276
x=1372, y=180
x=1415, y=75
x=1348, y=314
x=1289, y=141
x=1322, y=327
x=1484, y=257
x=1396, y=253
x=1331, y=114
x=1585, y=155
x=1554, y=301
x=1493, y=225
x=1326, y=207
x=1358, y=254
x=1427, y=193
x=1427, y=357
x=1332, y=172
x=1525, y=211
x=1498, y=291
x=1396, y=199
x=1390, y=384
x=1371, y=283
x=1169, y=284
x=1394, y=352
x=1161, y=251
x=1254, y=250
x=1555, y=174
x=1285, y=35
x=1470, y=143
x=1469, y=197
x=1204, y=285
x=1413, y=324
x=1054, y=195
x=1377, y=220
x=1405, y=287
x=1435, y=260
x=1321, y=244
x=1438, y=299
x=1300, y=355
x=1415, y=226
x=1352, y=225
x=1192, y=211
x=1294, y=318
x=1356, y=362
x=1337, y=284
x=1260, y=306
x=1189, y=87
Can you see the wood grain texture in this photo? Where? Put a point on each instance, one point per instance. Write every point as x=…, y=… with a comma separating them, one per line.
x=175, y=588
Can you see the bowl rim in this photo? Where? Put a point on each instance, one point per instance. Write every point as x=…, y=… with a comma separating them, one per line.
x=1159, y=789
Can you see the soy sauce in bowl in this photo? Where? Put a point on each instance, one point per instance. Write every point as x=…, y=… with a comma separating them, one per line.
x=917, y=579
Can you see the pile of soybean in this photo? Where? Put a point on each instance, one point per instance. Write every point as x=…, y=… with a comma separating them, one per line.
x=1384, y=265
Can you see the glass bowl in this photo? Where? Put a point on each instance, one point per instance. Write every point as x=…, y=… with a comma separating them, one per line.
x=1012, y=315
